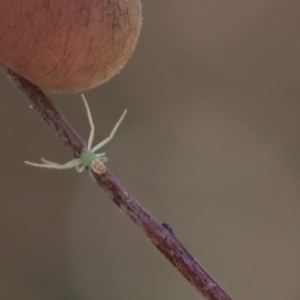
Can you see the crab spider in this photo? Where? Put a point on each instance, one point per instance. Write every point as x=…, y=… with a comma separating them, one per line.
x=88, y=158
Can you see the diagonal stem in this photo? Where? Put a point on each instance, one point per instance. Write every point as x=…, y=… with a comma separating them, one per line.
x=160, y=234
x=41, y=103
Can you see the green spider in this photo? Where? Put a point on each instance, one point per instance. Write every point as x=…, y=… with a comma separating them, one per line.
x=88, y=158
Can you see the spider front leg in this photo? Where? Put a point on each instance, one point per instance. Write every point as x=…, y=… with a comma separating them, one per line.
x=105, y=141
x=92, y=134
x=101, y=156
x=52, y=165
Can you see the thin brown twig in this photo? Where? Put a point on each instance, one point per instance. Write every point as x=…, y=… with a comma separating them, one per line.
x=160, y=234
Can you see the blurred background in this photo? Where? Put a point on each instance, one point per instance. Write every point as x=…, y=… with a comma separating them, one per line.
x=210, y=145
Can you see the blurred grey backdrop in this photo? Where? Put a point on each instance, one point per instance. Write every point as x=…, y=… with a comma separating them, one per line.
x=210, y=145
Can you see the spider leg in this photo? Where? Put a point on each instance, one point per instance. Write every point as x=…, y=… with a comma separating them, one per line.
x=105, y=141
x=91, y=137
x=101, y=156
x=47, y=162
x=80, y=168
x=51, y=165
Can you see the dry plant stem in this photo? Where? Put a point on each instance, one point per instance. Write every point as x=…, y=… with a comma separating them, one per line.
x=161, y=235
